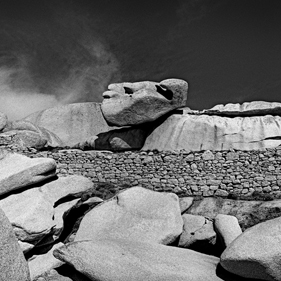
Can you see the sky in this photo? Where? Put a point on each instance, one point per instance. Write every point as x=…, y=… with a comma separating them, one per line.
x=58, y=52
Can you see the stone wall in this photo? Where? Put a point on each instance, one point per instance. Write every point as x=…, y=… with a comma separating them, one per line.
x=232, y=174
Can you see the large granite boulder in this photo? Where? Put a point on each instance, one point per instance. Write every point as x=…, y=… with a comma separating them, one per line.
x=13, y=265
x=35, y=212
x=248, y=213
x=256, y=252
x=72, y=123
x=204, y=132
x=127, y=260
x=141, y=102
x=254, y=108
x=18, y=171
x=136, y=214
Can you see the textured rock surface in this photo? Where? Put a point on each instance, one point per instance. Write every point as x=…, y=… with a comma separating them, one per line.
x=72, y=123
x=123, y=260
x=17, y=171
x=39, y=265
x=248, y=213
x=203, y=132
x=185, y=203
x=3, y=120
x=33, y=213
x=12, y=262
x=256, y=252
x=196, y=229
x=253, y=108
x=227, y=228
x=136, y=214
x=116, y=140
x=141, y=102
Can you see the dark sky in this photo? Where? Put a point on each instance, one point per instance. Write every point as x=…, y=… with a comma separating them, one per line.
x=56, y=52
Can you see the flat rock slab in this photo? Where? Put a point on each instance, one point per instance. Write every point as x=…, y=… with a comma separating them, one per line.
x=32, y=212
x=17, y=171
x=256, y=252
x=136, y=214
x=13, y=265
x=127, y=260
x=204, y=132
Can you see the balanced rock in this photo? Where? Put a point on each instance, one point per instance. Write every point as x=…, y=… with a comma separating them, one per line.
x=17, y=171
x=12, y=262
x=228, y=228
x=136, y=214
x=254, y=108
x=35, y=214
x=256, y=252
x=72, y=123
x=204, y=132
x=141, y=102
x=127, y=260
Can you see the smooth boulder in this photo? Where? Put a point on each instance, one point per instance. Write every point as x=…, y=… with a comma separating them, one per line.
x=135, y=214
x=127, y=260
x=256, y=252
x=204, y=132
x=227, y=228
x=18, y=171
x=141, y=102
x=72, y=123
x=12, y=262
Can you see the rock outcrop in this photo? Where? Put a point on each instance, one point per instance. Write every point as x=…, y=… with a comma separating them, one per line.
x=18, y=171
x=12, y=262
x=141, y=102
x=3, y=120
x=256, y=252
x=72, y=123
x=203, y=132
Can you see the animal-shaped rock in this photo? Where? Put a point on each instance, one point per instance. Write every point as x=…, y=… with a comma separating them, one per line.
x=141, y=102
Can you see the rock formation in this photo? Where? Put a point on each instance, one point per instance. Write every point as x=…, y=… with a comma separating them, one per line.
x=141, y=102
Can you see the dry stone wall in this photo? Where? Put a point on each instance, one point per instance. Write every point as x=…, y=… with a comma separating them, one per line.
x=232, y=174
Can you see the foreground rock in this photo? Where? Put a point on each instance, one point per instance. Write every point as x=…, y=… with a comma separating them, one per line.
x=254, y=108
x=136, y=214
x=18, y=171
x=72, y=123
x=256, y=252
x=141, y=102
x=227, y=228
x=13, y=264
x=204, y=132
x=248, y=213
x=34, y=212
x=127, y=260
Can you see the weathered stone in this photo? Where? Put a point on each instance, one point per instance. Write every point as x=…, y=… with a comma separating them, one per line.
x=136, y=214
x=141, y=102
x=227, y=227
x=17, y=171
x=196, y=229
x=41, y=264
x=12, y=262
x=3, y=120
x=256, y=252
x=72, y=123
x=185, y=203
x=33, y=213
x=203, y=132
x=127, y=260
